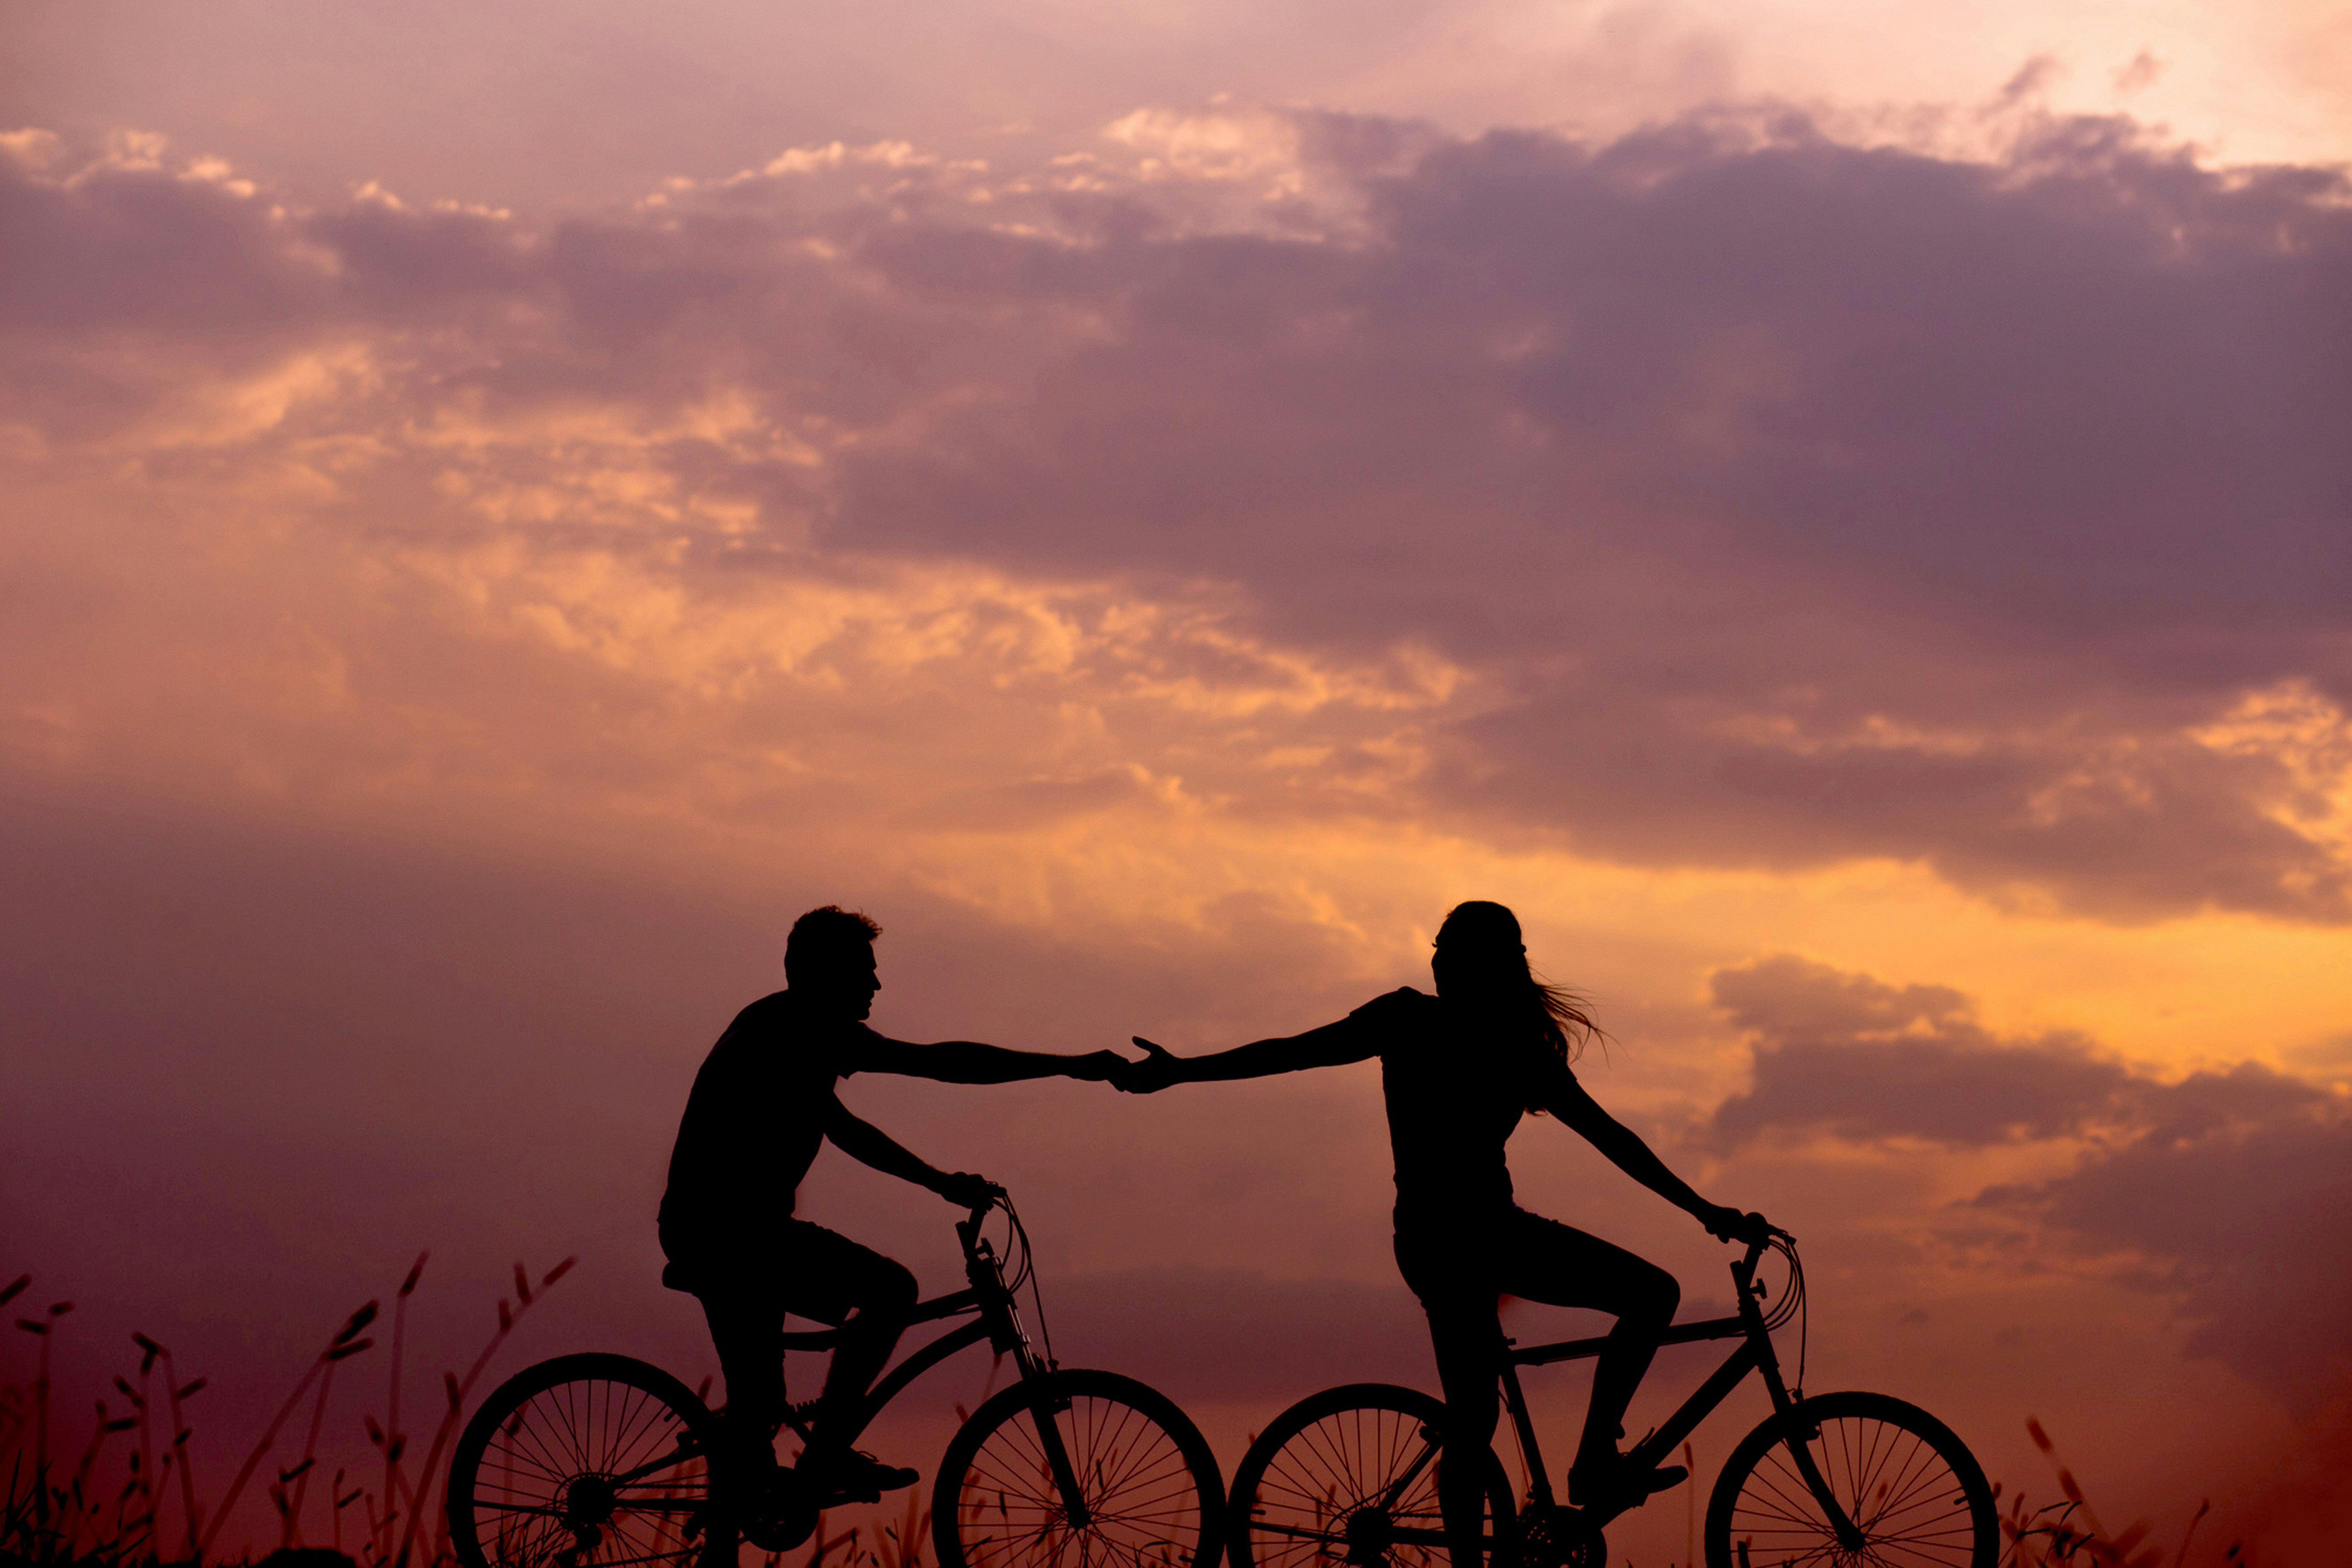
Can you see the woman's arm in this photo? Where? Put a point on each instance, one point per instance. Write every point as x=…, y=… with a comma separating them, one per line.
x=1332, y=1045
x=1575, y=1107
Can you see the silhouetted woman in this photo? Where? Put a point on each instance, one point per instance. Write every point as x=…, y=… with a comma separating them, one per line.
x=1458, y=1069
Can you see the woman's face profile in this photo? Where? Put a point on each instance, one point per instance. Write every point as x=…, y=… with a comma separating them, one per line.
x=1462, y=972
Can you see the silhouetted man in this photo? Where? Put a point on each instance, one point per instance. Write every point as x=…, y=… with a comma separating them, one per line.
x=762, y=1104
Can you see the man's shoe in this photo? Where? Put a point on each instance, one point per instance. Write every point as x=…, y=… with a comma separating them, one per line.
x=1619, y=1485
x=854, y=1476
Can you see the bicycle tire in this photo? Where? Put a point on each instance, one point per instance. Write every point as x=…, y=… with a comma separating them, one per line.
x=532, y=1483
x=1910, y=1484
x=1146, y=1476
x=1304, y=1496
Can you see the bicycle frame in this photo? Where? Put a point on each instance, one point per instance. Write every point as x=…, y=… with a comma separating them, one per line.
x=996, y=1321
x=1755, y=1353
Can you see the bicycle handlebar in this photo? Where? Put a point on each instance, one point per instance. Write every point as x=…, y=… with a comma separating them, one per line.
x=1759, y=1247
x=968, y=1227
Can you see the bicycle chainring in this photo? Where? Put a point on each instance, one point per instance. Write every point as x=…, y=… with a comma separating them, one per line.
x=1560, y=1538
x=787, y=1516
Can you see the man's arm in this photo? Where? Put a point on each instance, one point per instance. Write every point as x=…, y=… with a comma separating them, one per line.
x=1569, y=1100
x=869, y=1145
x=968, y=1061
x=1332, y=1045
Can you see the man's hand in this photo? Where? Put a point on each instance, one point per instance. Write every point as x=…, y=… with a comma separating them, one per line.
x=1097, y=1067
x=1730, y=1225
x=967, y=1191
x=1155, y=1072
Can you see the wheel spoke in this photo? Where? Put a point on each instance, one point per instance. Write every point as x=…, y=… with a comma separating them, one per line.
x=1909, y=1487
x=584, y=1462
x=1147, y=1505
x=1345, y=1478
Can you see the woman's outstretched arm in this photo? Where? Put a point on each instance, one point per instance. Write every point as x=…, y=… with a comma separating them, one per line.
x=1330, y=1045
x=1574, y=1106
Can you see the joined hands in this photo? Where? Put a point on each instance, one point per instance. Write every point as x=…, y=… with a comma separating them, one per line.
x=1097, y=1067
x=1155, y=1072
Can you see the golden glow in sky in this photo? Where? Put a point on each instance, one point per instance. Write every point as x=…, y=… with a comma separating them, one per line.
x=1836, y=512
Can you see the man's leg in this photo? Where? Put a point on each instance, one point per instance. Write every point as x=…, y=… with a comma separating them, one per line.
x=871, y=1297
x=747, y=1327
x=1564, y=1267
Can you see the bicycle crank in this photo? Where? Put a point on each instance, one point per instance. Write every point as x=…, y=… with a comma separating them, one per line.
x=1560, y=1538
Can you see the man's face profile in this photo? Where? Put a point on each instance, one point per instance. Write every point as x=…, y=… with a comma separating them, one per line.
x=842, y=983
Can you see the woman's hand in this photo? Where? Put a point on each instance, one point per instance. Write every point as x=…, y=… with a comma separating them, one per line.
x=1155, y=1072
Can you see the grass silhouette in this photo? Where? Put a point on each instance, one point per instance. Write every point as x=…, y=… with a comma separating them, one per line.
x=57, y=1513
x=54, y=1513
x=2068, y=1534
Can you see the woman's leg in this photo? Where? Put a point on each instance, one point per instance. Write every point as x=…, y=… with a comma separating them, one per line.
x=1454, y=1283
x=1468, y=1342
x=1547, y=1261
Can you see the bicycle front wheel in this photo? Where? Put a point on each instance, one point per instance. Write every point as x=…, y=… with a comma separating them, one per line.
x=1149, y=1495
x=587, y=1461
x=1348, y=1477
x=1900, y=1477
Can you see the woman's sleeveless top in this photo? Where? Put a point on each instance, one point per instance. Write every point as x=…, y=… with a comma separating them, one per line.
x=1455, y=1091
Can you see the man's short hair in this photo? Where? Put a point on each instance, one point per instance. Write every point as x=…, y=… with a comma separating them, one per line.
x=822, y=937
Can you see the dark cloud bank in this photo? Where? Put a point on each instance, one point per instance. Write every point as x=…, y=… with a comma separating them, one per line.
x=1794, y=501
x=2236, y=1186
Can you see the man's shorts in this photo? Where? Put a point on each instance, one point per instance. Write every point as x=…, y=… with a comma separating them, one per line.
x=799, y=1267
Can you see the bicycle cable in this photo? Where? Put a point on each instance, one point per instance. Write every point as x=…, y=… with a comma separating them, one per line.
x=1027, y=1275
x=1792, y=1304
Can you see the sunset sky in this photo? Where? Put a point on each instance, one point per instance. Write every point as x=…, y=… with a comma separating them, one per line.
x=1838, y=512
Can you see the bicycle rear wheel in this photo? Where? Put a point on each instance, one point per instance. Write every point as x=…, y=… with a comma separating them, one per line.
x=1913, y=1489
x=588, y=1461
x=1349, y=1477
x=1146, y=1477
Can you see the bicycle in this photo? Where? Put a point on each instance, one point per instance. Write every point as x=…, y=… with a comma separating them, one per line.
x=1348, y=1475
x=601, y=1461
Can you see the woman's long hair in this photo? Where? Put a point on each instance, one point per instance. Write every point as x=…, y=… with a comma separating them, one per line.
x=1491, y=932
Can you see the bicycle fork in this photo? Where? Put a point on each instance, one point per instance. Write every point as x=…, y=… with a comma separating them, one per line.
x=1044, y=1403
x=1043, y=1407
x=1795, y=1434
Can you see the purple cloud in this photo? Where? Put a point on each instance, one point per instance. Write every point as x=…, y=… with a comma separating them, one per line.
x=2235, y=1186
x=1785, y=501
x=1853, y=1056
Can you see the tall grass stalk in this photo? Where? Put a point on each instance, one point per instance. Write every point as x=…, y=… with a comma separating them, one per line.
x=42, y=1521
x=2069, y=1534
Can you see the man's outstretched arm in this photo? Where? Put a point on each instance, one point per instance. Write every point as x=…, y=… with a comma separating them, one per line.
x=869, y=1145
x=968, y=1061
